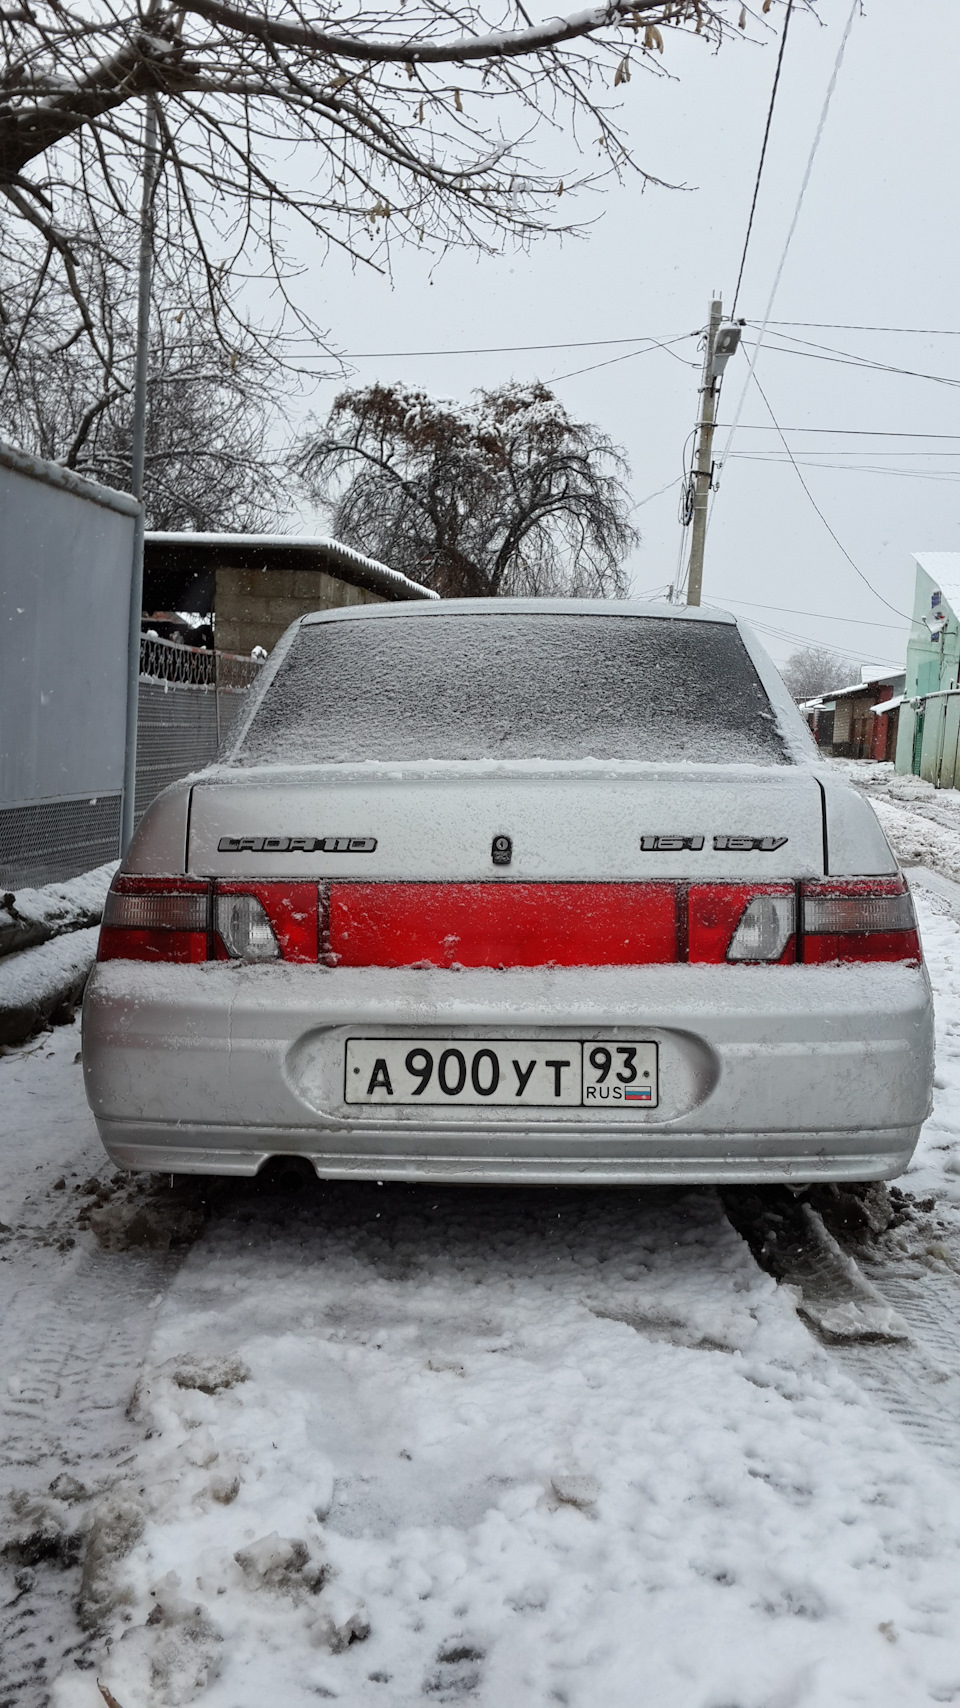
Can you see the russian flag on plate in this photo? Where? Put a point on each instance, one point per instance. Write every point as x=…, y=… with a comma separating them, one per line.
x=639, y=1094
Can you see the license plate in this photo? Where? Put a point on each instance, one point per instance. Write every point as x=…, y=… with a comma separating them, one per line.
x=536, y=1073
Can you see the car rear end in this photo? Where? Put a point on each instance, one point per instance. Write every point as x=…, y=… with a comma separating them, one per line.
x=512, y=892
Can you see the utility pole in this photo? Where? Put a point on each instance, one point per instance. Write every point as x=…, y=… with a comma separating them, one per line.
x=703, y=469
x=150, y=168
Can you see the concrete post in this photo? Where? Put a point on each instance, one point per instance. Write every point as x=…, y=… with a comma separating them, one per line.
x=704, y=464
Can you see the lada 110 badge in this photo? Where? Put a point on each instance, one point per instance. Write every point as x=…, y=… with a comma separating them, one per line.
x=296, y=844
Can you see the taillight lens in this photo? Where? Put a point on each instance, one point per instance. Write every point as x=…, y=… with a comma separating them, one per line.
x=859, y=919
x=242, y=925
x=766, y=927
x=741, y=922
x=266, y=921
x=154, y=919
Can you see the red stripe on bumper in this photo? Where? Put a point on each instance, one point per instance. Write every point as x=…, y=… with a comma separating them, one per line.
x=501, y=925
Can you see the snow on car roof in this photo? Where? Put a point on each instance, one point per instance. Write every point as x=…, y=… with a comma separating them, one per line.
x=509, y=607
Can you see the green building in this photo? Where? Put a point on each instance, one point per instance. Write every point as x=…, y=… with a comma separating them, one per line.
x=928, y=736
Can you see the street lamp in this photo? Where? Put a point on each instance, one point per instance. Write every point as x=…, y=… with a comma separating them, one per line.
x=726, y=344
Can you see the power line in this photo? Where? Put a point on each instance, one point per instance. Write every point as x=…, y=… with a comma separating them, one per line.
x=838, y=432
x=804, y=640
x=848, y=468
x=599, y=343
x=763, y=155
x=838, y=543
x=824, y=616
x=847, y=359
x=655, y=344
x=831, y=86
x=648, y=592
x=660, y=490
x=846, y=326
x=839, y=451
x=842, y=652
x=491, y=349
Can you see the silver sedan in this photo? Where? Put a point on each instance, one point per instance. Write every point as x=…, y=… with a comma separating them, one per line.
x=513, y=890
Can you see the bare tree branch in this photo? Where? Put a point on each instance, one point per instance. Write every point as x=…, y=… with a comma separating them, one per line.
x=363, y=127
x=493, y=45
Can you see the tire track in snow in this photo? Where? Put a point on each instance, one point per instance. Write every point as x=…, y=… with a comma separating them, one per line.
x=923, y=1400
x=69, y=1356
x=922, y=1381
x=894, y=1334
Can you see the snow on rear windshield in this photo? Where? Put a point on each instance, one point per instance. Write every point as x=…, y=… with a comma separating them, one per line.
x=522, y=686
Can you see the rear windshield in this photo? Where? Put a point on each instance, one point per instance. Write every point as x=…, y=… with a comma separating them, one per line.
x=519, y=686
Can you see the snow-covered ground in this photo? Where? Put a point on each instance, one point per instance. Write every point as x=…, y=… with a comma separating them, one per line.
x=48, y=942
x=922, y=823
x=391, y=1445
x=38, y=980
x=29, y=915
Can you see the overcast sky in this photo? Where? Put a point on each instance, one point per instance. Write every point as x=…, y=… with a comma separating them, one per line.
x=876, y=246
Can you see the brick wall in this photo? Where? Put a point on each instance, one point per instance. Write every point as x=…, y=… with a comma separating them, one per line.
x=254, y=606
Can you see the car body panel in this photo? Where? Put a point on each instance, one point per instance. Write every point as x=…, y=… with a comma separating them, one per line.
x=797, y=1062
x=571, y=822
x=855, y=845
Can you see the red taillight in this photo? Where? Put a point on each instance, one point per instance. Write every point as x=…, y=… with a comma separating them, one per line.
x=859, y=919
x=505, y=925
x=188, y=919
x=154, y=919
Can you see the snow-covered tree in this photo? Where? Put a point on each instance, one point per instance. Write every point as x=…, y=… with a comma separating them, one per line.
x=818, y=670
x=503, y=495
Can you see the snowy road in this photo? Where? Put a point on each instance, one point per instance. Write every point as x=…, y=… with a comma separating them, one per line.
x=400, y=1445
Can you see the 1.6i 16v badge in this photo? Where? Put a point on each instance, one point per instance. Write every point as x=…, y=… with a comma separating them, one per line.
x=674, y=844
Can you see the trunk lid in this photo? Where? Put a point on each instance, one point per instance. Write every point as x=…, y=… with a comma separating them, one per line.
x=576, y=821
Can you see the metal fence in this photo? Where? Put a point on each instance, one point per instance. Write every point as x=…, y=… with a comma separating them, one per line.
x=65, y=547
x=195, y=666
x=48, y=841
x=188, y=700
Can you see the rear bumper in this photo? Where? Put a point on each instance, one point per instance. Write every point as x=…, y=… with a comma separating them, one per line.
x=767, y=1073
x=779, y=1157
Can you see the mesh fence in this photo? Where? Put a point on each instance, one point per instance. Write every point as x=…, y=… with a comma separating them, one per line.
x=189, y=698
x=54, y=840
x=176, y=733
